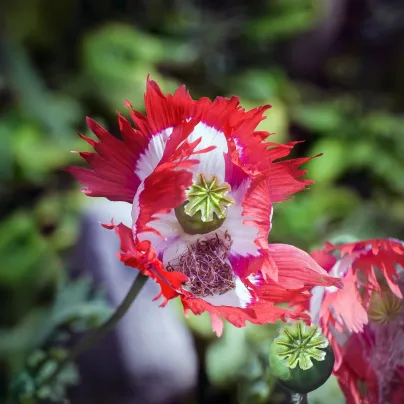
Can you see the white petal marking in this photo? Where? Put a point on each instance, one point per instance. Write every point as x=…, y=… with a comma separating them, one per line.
x=149, y=160
x=341, y=267
x=171, y=245
x=239, y=193
x=211, y=163
x=238, y=297
x=316, y=301
x=136, y=207
x=242, y=236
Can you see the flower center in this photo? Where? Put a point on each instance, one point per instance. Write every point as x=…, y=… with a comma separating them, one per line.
x=299, y=343
x=383, y=308
x=206, y=207
x=207, y=267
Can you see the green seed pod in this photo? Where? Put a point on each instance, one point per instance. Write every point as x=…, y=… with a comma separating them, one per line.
x=301, y=357
x=206, y=205
x=194, y=224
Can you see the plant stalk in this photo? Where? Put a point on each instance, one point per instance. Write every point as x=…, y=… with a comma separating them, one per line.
x=96, y=335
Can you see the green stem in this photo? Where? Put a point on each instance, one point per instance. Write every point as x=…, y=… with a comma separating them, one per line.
x=94, y=336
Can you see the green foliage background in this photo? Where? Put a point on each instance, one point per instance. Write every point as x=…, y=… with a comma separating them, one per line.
x=63, y=60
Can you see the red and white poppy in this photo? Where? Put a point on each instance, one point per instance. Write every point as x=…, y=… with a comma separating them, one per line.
x=365, y=320
x=202, y=183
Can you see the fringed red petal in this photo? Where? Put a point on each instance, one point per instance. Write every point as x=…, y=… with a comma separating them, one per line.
x=141, y=256
x=112, y=174
x=162, y=111
x=355, y=370
x=380, y=253
x=343, y=315
x=257, y=313
x=347, y=305
x=297, y=269
x=165, y=188
x=324, y=259
x=286, y=178
x=257, y=207
x=272, y=291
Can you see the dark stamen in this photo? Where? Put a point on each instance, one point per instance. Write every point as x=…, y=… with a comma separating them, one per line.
x=207, y=266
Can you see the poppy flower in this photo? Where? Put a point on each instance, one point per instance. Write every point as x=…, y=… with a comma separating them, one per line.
x=202, y=183
x=365, y=320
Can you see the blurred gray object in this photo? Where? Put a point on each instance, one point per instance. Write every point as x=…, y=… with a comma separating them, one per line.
x=150, y=357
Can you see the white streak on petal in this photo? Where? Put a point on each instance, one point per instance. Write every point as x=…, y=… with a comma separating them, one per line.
x=174, y=249
x=136, y=207
x=340, y=337
x=104, y=209
x=255, y=279
x=339, y=270
x=239, y=193
x=242, y=236
x=271, y=213
x=238, y=297
x=171, y=245
x=211, y=163
x=243, y=293
x=149, y=160
x=342, y=266
x=315, y=302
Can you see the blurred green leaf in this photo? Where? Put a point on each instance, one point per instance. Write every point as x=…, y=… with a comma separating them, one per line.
x=56, y=113
x=6, y=153
x=179, y=52
x=16, y=342
x=77, y=306
x=330, y=390
x=261, y=333
x=276, y=122
x=361, y=153
x=308, y=217
x=37, y=156
x=17, y=232
x=322, y=118
x=385, y=125
x=285, y=19
x=231, y=346
x=115, y=46
x=117, y=59
x=390, y=169
x=200, y=325
x=255, y=383
x=59, y=212
x=25, y=386
x=258, y=85
x=256, y=392
x=328, y=167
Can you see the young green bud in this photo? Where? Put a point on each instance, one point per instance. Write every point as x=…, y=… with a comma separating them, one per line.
x=301, y=357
